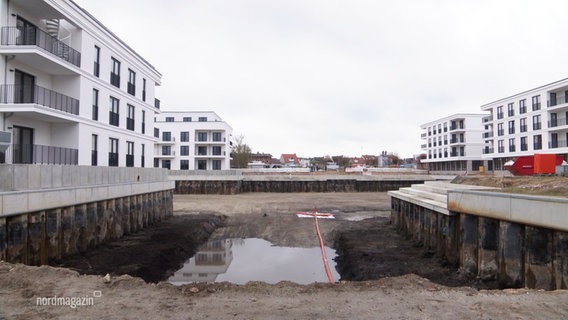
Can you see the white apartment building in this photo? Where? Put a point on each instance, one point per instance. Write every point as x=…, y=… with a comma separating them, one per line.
x=192, y=141
x=454, y=143
x=71, y=92
x=534, y=121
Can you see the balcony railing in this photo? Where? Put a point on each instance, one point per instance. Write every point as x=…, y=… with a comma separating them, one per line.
x=487, y=150
x=557, y=122
x=18, y=94
x=12, y=36
x=39, y=154
x=112, y=159
x=557, y=144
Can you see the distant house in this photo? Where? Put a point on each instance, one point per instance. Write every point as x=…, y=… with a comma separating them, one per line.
x=289, y=160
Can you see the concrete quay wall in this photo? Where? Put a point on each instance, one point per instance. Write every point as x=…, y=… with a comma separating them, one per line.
x=68, y=215
x=516, y=240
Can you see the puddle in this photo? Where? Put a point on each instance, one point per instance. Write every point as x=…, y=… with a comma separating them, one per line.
x=242, y=260
x=362, y=215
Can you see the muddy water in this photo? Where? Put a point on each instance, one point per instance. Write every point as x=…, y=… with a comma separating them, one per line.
x=251, y=259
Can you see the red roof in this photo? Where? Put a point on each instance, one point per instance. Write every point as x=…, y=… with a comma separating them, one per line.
x=289, y=158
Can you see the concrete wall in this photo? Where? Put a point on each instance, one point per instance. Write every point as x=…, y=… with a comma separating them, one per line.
x=16, y=177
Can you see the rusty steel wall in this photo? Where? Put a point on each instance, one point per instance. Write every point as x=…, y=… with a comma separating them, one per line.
x=328, y=185
x=38, y=237
x=513, y=254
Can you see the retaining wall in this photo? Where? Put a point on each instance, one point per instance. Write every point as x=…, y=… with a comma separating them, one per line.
x=518, y=241
x=48, y=212
x=287, y=185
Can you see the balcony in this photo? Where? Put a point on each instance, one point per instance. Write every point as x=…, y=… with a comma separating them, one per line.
x=488, y=134
x=12, y=36
x=18, y=94
x=40, y=154
x=487, y=150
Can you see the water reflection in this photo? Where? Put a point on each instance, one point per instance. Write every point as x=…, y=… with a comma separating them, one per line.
x=242, y=260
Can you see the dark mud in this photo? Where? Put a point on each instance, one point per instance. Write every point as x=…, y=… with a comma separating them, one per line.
x=151, y=254
x=374, y=250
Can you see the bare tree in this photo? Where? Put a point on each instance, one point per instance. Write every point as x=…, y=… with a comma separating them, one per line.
x=241, y=152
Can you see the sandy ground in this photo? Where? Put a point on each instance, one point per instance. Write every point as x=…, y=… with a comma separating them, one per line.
x=27, y=292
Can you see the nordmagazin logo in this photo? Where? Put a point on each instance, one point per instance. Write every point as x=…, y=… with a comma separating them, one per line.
x=72, y=302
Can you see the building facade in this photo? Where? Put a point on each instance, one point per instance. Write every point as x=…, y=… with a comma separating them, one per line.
x=534, y=121
x=454, y=143
x=192, y=141
x=71, y=92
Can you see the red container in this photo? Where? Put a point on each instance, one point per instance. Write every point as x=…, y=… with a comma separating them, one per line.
x=544, y=163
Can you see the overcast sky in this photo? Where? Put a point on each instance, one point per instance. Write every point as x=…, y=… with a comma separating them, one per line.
x=318, y=77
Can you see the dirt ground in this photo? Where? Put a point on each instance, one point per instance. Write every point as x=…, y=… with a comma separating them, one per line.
x=400, y=280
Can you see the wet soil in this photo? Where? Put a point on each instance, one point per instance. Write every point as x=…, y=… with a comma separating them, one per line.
x=151, y=254
x=368, y=247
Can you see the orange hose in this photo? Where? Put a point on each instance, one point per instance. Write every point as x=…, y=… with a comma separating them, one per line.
x=325, y=264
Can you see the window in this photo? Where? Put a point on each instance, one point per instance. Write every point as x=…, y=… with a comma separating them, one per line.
x=512, y=127
x=202, y=119
x=113, y=152
x=217, y=136
x=216, y=150
x=95, y=104
x=500, y=146
x=512, y=145
x=166, y=150
x=166, y=136
x=130, y=119
x=439, y=128
x=216, y=164
x=142, y=157
x=184, y=136
x=94, y=149
x=186, y=119
x=201, y=164
x=97, y=62
x=143, y=121
x=500, y=130
x=114, y=111
x=202, y=136
x=537, y=142
x=522, y=106
x=523, y=125
x=143, y=89
x=131, y=88
x=184, y=150
x=536, y=103
x=553, y=101
x=553, y=120
x=184, y=164
x=202, y=151
x=511, y=109
x=524, y=144
x=500, y=112
x=554, y=140
x=130, y=154
x=536, y=122
x=166, y=164
x=170, y=119
x=445, y=127
x=115, y=73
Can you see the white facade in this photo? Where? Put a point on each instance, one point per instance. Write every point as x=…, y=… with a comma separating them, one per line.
x=71, y=92
x=530, y=122
x=454, y=143
x=192, y=141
